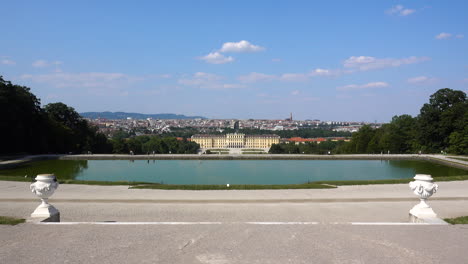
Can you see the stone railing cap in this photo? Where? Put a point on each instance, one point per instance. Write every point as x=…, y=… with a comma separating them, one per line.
x=45, y=176
x=423, y=177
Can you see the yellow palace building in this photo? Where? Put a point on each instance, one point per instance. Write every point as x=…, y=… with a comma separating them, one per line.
x=235, y=140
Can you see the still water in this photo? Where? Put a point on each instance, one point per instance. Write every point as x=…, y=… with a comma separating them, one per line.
x=232, y=171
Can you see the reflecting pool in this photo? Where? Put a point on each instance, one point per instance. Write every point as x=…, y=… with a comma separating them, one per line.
x=232, y=171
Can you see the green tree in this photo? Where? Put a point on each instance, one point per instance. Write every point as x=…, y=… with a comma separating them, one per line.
x=399, y=135
x=22, y=120
x=444, y=114
x=276, y=149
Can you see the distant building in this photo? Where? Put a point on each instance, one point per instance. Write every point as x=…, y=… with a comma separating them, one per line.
x=299, y=140
x=235, y=140
x=236, y=125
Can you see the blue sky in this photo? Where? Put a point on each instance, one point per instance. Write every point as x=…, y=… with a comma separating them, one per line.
x=328, y=60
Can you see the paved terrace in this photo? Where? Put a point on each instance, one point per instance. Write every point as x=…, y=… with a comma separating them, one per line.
x=350, y=224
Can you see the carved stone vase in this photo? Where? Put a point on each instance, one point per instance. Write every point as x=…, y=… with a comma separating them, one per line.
x=424, y=188
x=44, y=187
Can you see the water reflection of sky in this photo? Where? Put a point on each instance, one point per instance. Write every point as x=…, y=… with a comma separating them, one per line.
x=257, y=171
x=232, y=171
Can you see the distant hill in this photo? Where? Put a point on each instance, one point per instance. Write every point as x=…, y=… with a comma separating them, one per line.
x=124, y=115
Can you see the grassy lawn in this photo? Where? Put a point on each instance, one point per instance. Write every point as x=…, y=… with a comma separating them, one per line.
x=460, y=158
x=5, y=220
x=463, y=220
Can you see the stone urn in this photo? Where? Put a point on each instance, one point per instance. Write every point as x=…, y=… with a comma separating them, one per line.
x=424, y=188
x=44, y=187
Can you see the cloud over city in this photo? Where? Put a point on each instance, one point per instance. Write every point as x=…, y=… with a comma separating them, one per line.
x=445, y=35
x=400, y=10
x=82, y=80
x=422, y=80
x=204, y=80
x=353, y=87
x=45, y=63
x=216, y=58
x=365, y=63
x=243, y=46
x=6, y=61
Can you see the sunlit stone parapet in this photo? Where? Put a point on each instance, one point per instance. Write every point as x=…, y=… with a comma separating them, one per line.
x=424, y=188
x=44, y=187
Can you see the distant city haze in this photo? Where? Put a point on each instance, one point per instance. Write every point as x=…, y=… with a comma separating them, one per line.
x=328, y=60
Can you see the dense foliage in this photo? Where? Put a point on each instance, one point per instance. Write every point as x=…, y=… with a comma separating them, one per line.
x=56, y=128
x=153, y=145
x=442, y=125
x=306, y=148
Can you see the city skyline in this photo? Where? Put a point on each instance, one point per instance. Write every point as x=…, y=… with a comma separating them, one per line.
x=339, y=60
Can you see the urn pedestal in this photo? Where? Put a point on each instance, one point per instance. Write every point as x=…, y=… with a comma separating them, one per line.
x=44, y=187
x=424, y=188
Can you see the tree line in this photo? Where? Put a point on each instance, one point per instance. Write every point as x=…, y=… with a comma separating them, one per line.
x=28, y=128
x=152, y=145
x=441, y=126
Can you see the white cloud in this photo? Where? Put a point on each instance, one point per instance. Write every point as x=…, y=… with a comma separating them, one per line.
x=400, y=11
x=460, y=36
x=406, y=12
x=7, y=62
x=295, y=92
x=421, y=80
x=256, y=77
x=443, y=35
x=352, y=87
x=365, y=63
x=82, y=80
x=44, y=63
x=39, y=64
x=216, y=58
x=241, y=46
x=205, y=80
x=309, y=99
x=321, y=72
x=294, y=77
x=275, y=60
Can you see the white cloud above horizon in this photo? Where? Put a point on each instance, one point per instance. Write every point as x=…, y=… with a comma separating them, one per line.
x=45, y=63
x=216, y=58
x=445, y=35
x=240, y=47
x=205, y=80
x=400, y=11
x=353, y=87
x=254, y=77
x=350, y=65
x=81, y=80
x=7, y=62
x=243, y=46
x=365, y=63
x=421, y=80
